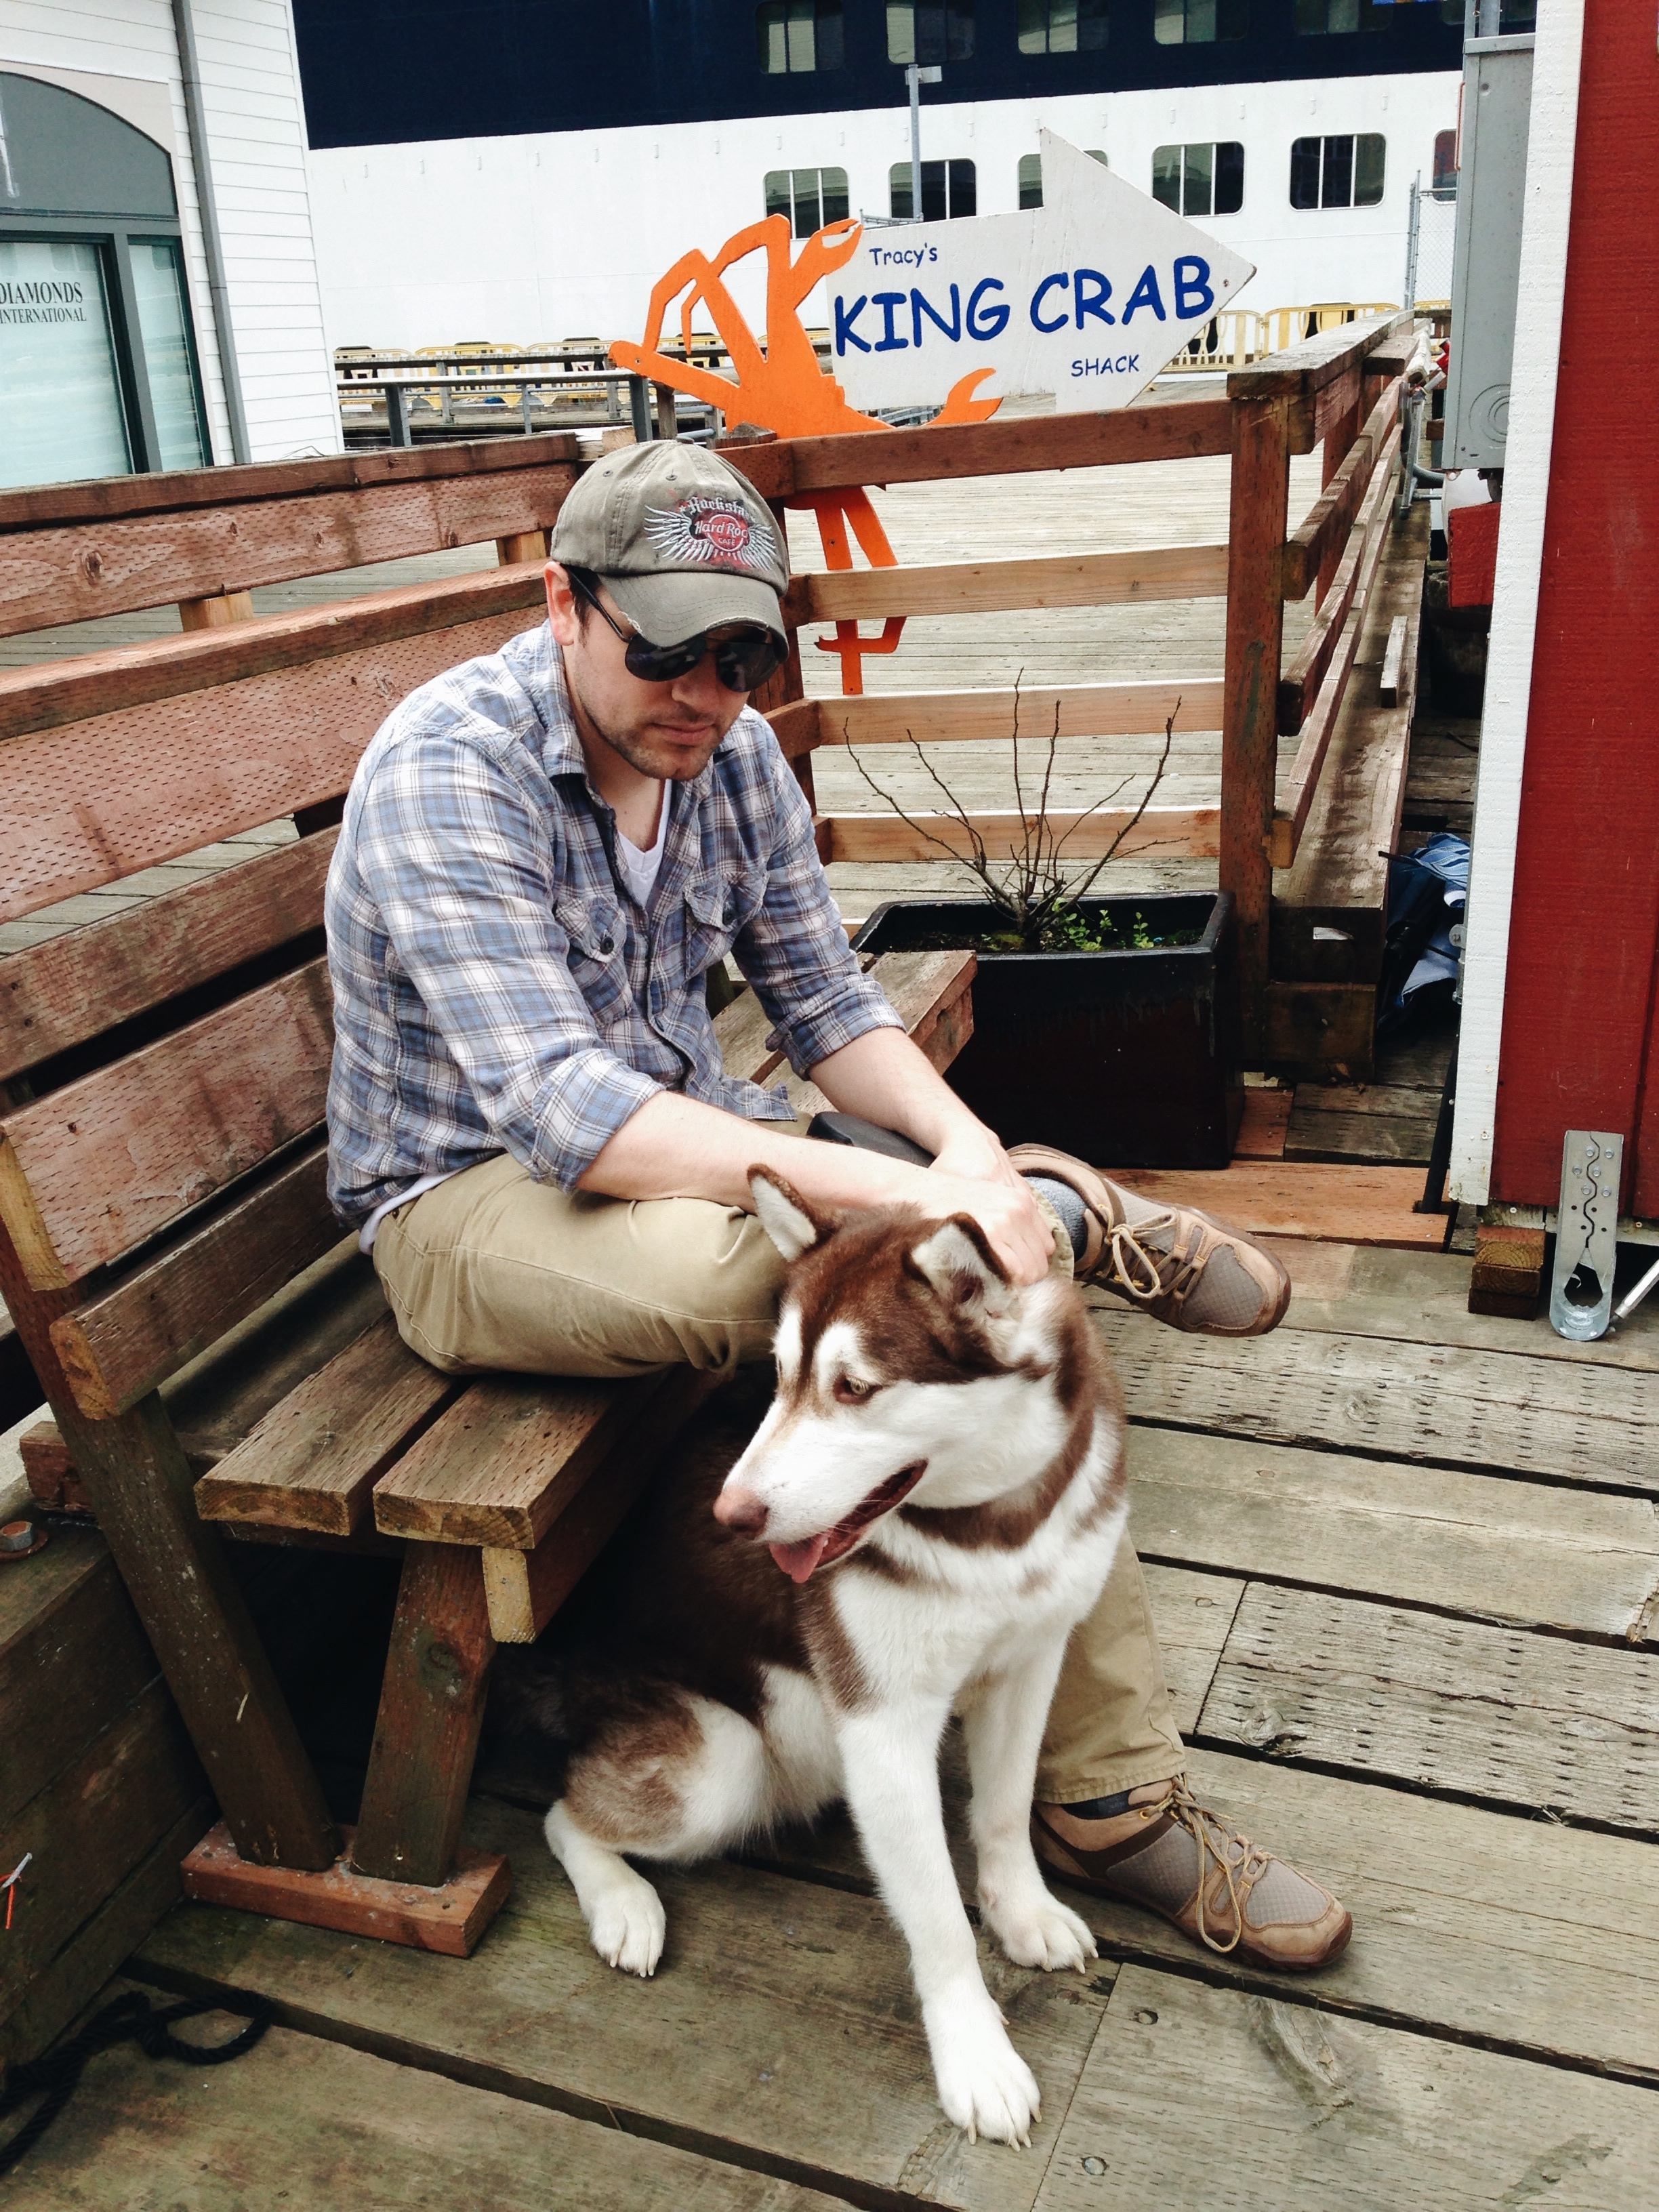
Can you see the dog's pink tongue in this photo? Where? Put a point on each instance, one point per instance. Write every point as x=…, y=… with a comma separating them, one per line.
x=798, y=1560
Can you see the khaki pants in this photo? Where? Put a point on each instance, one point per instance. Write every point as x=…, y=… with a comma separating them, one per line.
x=492, y=1270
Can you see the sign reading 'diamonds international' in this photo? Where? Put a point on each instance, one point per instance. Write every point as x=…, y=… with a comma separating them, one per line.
x=1087, y=296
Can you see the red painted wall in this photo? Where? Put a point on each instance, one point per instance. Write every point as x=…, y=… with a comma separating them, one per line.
x=1579, y=1047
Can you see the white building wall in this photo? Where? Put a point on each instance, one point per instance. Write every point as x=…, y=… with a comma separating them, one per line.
x=556, y=234
x=122, y=52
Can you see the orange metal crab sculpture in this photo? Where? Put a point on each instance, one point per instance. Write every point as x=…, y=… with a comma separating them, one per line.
x=780, y=387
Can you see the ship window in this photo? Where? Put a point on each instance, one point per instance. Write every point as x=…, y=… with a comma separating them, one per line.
x=1030, y=174
x=807, y=198
x=930, y=32
x=1317, y=18
x=1344, y=171
x=1445, y=165
x=1201, y=179
x=948, y=189
x=1063, y=26
x=799, y=35
x=1199, y=22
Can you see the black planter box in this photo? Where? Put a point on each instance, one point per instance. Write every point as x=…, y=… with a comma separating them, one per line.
x=1126, y=1059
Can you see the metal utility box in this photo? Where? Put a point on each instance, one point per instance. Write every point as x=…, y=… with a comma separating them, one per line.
x=1492, y=179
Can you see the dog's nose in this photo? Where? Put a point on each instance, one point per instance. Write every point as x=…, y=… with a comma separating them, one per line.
x=739, y=1508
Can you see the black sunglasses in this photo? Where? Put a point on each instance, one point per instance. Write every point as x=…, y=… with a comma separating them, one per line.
x=742, y=663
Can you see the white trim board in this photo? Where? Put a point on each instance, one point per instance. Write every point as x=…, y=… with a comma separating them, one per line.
x=1547, y=215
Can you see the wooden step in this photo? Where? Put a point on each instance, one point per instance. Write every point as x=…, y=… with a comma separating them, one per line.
x=1281, y=1198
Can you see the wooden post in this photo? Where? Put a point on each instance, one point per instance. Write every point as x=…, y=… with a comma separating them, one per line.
x=1249, y=740
x=522, y=545
x=212, y=613
x=195, y=1616
x=431, y=1710
x=787, y=684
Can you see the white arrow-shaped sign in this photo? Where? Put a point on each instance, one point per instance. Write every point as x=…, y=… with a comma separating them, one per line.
x=1087, y=296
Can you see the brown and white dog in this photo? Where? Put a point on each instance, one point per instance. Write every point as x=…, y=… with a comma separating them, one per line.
x=930, y=1504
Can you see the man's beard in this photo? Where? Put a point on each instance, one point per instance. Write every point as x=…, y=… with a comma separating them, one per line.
x=637, y=745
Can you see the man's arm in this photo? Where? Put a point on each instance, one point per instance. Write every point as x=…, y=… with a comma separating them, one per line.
x=675, y=1147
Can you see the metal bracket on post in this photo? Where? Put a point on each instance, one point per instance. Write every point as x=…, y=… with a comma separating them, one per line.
x=639, y=401
x=1586, y=1234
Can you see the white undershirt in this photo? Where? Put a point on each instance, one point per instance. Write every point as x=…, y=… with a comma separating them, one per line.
x=639, y=868
x=639, y=871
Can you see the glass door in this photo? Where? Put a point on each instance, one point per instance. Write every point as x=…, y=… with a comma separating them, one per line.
x=63, y=416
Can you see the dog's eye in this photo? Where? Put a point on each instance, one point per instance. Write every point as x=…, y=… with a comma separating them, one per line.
x=852, y=1392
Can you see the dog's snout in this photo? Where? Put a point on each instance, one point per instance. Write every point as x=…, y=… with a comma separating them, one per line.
x=739, y=1508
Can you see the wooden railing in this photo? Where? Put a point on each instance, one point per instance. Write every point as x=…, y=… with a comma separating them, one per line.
x=1340, y=391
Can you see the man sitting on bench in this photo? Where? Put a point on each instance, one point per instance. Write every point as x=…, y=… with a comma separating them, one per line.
x=544, y=854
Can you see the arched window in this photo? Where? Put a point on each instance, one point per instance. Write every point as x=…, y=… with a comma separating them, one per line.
x=97, y=354
x=1445, y=165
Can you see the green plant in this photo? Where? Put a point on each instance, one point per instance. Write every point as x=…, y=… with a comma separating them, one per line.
x=1039, y=910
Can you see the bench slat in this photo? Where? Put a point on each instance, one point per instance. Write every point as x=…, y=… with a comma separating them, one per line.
x=312, y=1460
x=46, y=695
x=128, y=1338
x=84, y=805
x=74, y=986
x=501, y=1465
x=111, y=565
x=34, y=507
x=92, y=1171
x=525, y=1590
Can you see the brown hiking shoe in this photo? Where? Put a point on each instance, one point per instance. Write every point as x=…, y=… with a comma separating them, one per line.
x=1212, y=1883
x=1176, y=1264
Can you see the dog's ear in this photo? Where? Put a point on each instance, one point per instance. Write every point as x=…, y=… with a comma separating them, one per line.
x=958, y=1262
x=785, y=1215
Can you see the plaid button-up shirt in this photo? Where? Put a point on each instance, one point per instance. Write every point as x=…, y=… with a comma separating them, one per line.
x=495, y=987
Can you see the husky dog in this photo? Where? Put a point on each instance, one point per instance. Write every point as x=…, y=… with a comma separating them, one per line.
x=931, y=1503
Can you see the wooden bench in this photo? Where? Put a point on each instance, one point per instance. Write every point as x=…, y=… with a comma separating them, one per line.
x=217, y=1360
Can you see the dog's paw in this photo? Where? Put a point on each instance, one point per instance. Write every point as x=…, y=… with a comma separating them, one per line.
x=627, y=1923
x=1040, y=1931
x=984, y=2084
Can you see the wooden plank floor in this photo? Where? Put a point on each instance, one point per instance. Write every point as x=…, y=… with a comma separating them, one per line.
x=1404, y=1566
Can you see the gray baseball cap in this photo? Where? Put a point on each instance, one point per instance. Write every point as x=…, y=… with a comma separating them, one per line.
x=682, y=542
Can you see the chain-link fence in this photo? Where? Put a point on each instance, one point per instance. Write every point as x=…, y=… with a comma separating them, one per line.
x=1433, y=225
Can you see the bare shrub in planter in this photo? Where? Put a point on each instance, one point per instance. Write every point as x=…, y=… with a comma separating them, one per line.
x=1037, y=909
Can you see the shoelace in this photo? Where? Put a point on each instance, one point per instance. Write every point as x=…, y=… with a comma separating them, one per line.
x=1241, y=1874
x=1140, y=1273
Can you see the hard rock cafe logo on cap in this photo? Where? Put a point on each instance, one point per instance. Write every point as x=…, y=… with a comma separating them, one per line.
x=700, y=528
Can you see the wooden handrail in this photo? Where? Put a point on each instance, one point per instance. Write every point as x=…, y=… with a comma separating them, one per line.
x=1299, y=685
x=1302, y=370
x=952, y=587
x=892, y=718
x=1330, y=518
x=1290, y=821
x=1161, y=430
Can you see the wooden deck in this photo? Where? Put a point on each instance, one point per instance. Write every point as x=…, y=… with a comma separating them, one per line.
x=1404, y=1565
